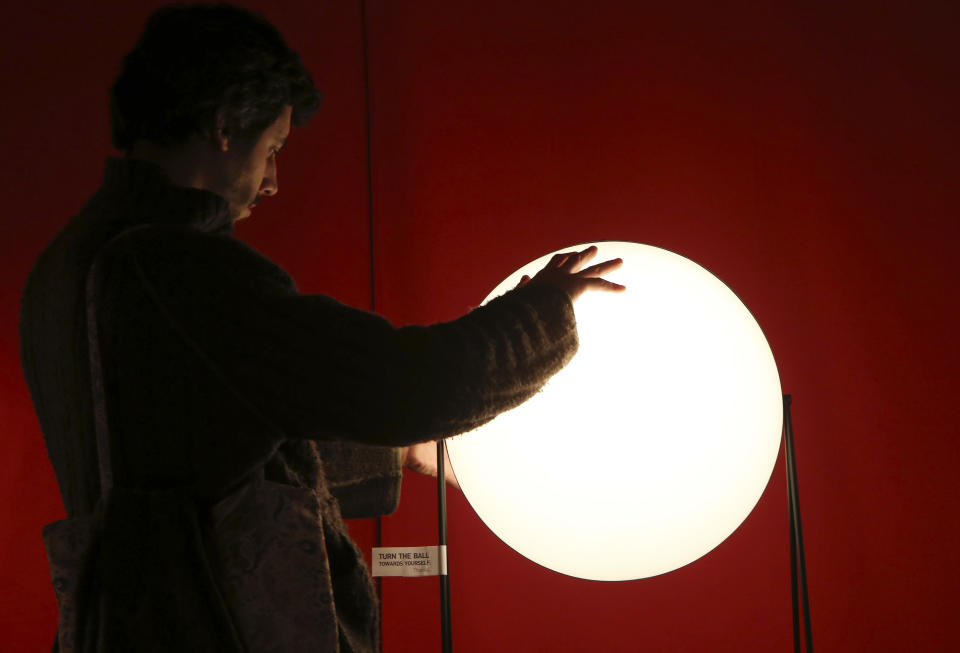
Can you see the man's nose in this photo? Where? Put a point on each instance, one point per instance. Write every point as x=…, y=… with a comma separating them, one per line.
x=269, y=184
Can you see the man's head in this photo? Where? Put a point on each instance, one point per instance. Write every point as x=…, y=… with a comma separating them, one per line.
x=222, y=81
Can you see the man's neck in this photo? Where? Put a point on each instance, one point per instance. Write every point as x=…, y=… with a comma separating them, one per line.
x=183, y=164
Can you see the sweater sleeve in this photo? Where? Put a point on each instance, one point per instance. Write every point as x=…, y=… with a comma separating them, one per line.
x=306, y=366
x=364, y=479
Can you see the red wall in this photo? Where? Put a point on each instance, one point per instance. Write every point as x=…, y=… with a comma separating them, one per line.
x=805, y=154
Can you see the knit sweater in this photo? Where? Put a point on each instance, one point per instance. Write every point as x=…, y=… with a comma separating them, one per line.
x=216, y=367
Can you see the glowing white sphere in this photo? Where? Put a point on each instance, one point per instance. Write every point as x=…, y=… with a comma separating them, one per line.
x=652, y=446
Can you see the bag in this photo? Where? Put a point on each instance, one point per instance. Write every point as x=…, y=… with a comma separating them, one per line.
x=139, y=576
x=159, y=571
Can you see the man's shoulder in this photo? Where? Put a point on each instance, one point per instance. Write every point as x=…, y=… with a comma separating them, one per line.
x=184, y=254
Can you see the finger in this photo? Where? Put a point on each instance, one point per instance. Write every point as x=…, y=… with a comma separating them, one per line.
x=524, y=280
x=600, y=269
x=596, y=283
x=448, y=474
x=588, y=253
x=606, y=286
x=559, y=259
x=577, y=259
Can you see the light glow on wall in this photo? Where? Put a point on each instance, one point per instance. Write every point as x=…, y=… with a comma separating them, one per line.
x=652, y=446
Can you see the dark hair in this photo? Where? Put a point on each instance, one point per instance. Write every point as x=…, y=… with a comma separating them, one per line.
x=193, y=64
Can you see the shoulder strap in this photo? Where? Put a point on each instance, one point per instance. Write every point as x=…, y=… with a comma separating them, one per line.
x=105, y=461
x=96, y=384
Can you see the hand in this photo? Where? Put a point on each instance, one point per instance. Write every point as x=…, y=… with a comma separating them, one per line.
x=564, y=271
x=422, y=458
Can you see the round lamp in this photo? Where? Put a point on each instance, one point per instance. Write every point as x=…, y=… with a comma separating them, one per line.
x=652, y=446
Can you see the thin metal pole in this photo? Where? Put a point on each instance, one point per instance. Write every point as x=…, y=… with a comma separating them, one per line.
x=798, y=568
x=378, y=530
x=445, y=629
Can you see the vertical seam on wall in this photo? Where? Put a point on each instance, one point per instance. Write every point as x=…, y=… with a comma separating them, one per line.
x=378, y=531
x=370, y=214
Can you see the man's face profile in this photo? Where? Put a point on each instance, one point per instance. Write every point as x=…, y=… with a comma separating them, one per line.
x=249, y=166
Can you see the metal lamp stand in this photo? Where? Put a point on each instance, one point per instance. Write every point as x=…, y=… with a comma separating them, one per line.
x=798, y=567
x=445, y=632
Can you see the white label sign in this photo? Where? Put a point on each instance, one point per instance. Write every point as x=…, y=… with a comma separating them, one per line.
x=409, y=561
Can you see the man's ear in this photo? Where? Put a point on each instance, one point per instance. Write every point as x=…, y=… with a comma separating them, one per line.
x=220, y=135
